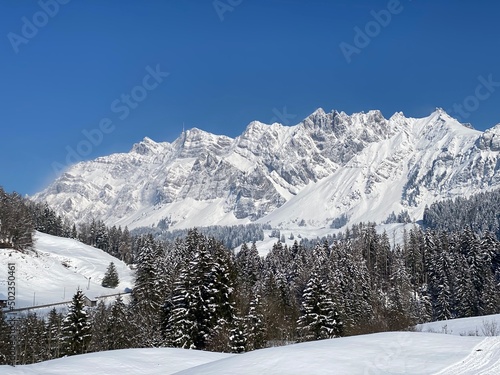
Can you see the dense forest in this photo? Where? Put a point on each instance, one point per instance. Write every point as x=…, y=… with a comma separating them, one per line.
x=480, y=213
x=193, y=292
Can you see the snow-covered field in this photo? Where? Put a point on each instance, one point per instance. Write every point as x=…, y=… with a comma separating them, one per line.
x=120, y=362
x=58, y=268
x=487, y=325
x=381, y=353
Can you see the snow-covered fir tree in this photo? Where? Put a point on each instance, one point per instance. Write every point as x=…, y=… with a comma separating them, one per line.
x=100, y=340
x=111, y=278
x=319, y=319
x=5, y=340
x=53, y=334
x=119, y=328
x=76, y=326
x=200, y=310
x=149, y=293
x=254, y=328
x=237, y=339
x=30, y=340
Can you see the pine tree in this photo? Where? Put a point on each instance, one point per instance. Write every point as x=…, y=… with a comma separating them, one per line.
x=489, y=293
x=443, y=303
x=200, y=310
x=53, y=334
x=119, y=327
x=125, y=247
x=254, y=329
x=111, y=279
x=5, y=341
x=100, y=340
x=220, y=281
x=320, y=319
x=74, y=232
x=16, y=222
x=350, y=285
x=399, y=294
x=249, y=265
x=30, y=340
x=237, y=341
x=464, y=294
x=76, y=327
x=149, y=292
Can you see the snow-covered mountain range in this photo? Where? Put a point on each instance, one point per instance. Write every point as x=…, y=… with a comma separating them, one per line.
x=331, y=165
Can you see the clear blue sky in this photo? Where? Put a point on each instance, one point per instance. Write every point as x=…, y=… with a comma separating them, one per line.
x=227, y=66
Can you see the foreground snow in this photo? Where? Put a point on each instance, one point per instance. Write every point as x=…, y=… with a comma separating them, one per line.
x=381, y=353
x=120, y=362
x=57, y=268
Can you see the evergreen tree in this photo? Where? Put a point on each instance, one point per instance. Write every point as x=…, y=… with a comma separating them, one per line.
x=125, y=247
x=465, y=295
x=148, y=293
x=249, y=266
x=111, y=279
x=53, y=334
x=254, y=329
x=200, y=311
x=237, y=341
x=350, y=284
x=319, y=319
x=16, y=222
x=5, y=341
x=400, y=308
x=30, y=340
x=76, y=326
x=489, y=293
x=100, y=340
x=119, y=327
x=74, y=232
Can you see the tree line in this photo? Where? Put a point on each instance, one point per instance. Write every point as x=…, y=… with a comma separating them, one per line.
x=195, y=293
x=479, y=212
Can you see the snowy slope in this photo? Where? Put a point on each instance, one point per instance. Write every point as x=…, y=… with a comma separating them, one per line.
x=57, y=268
x=487, y=325
x=330, y=164
x=382, y=353
x=119, y=362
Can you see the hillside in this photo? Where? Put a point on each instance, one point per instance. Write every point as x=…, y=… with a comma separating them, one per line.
x=487, y=325
x=331, y=165
x=381, y=353
x=56, y=267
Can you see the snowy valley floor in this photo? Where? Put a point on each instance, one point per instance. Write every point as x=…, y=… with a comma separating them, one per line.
x=381, y=353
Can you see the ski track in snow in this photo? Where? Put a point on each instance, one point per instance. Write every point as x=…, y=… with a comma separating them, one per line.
x=484, y=359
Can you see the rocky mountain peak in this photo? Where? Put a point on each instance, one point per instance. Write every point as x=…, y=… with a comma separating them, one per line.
x=362, y=166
